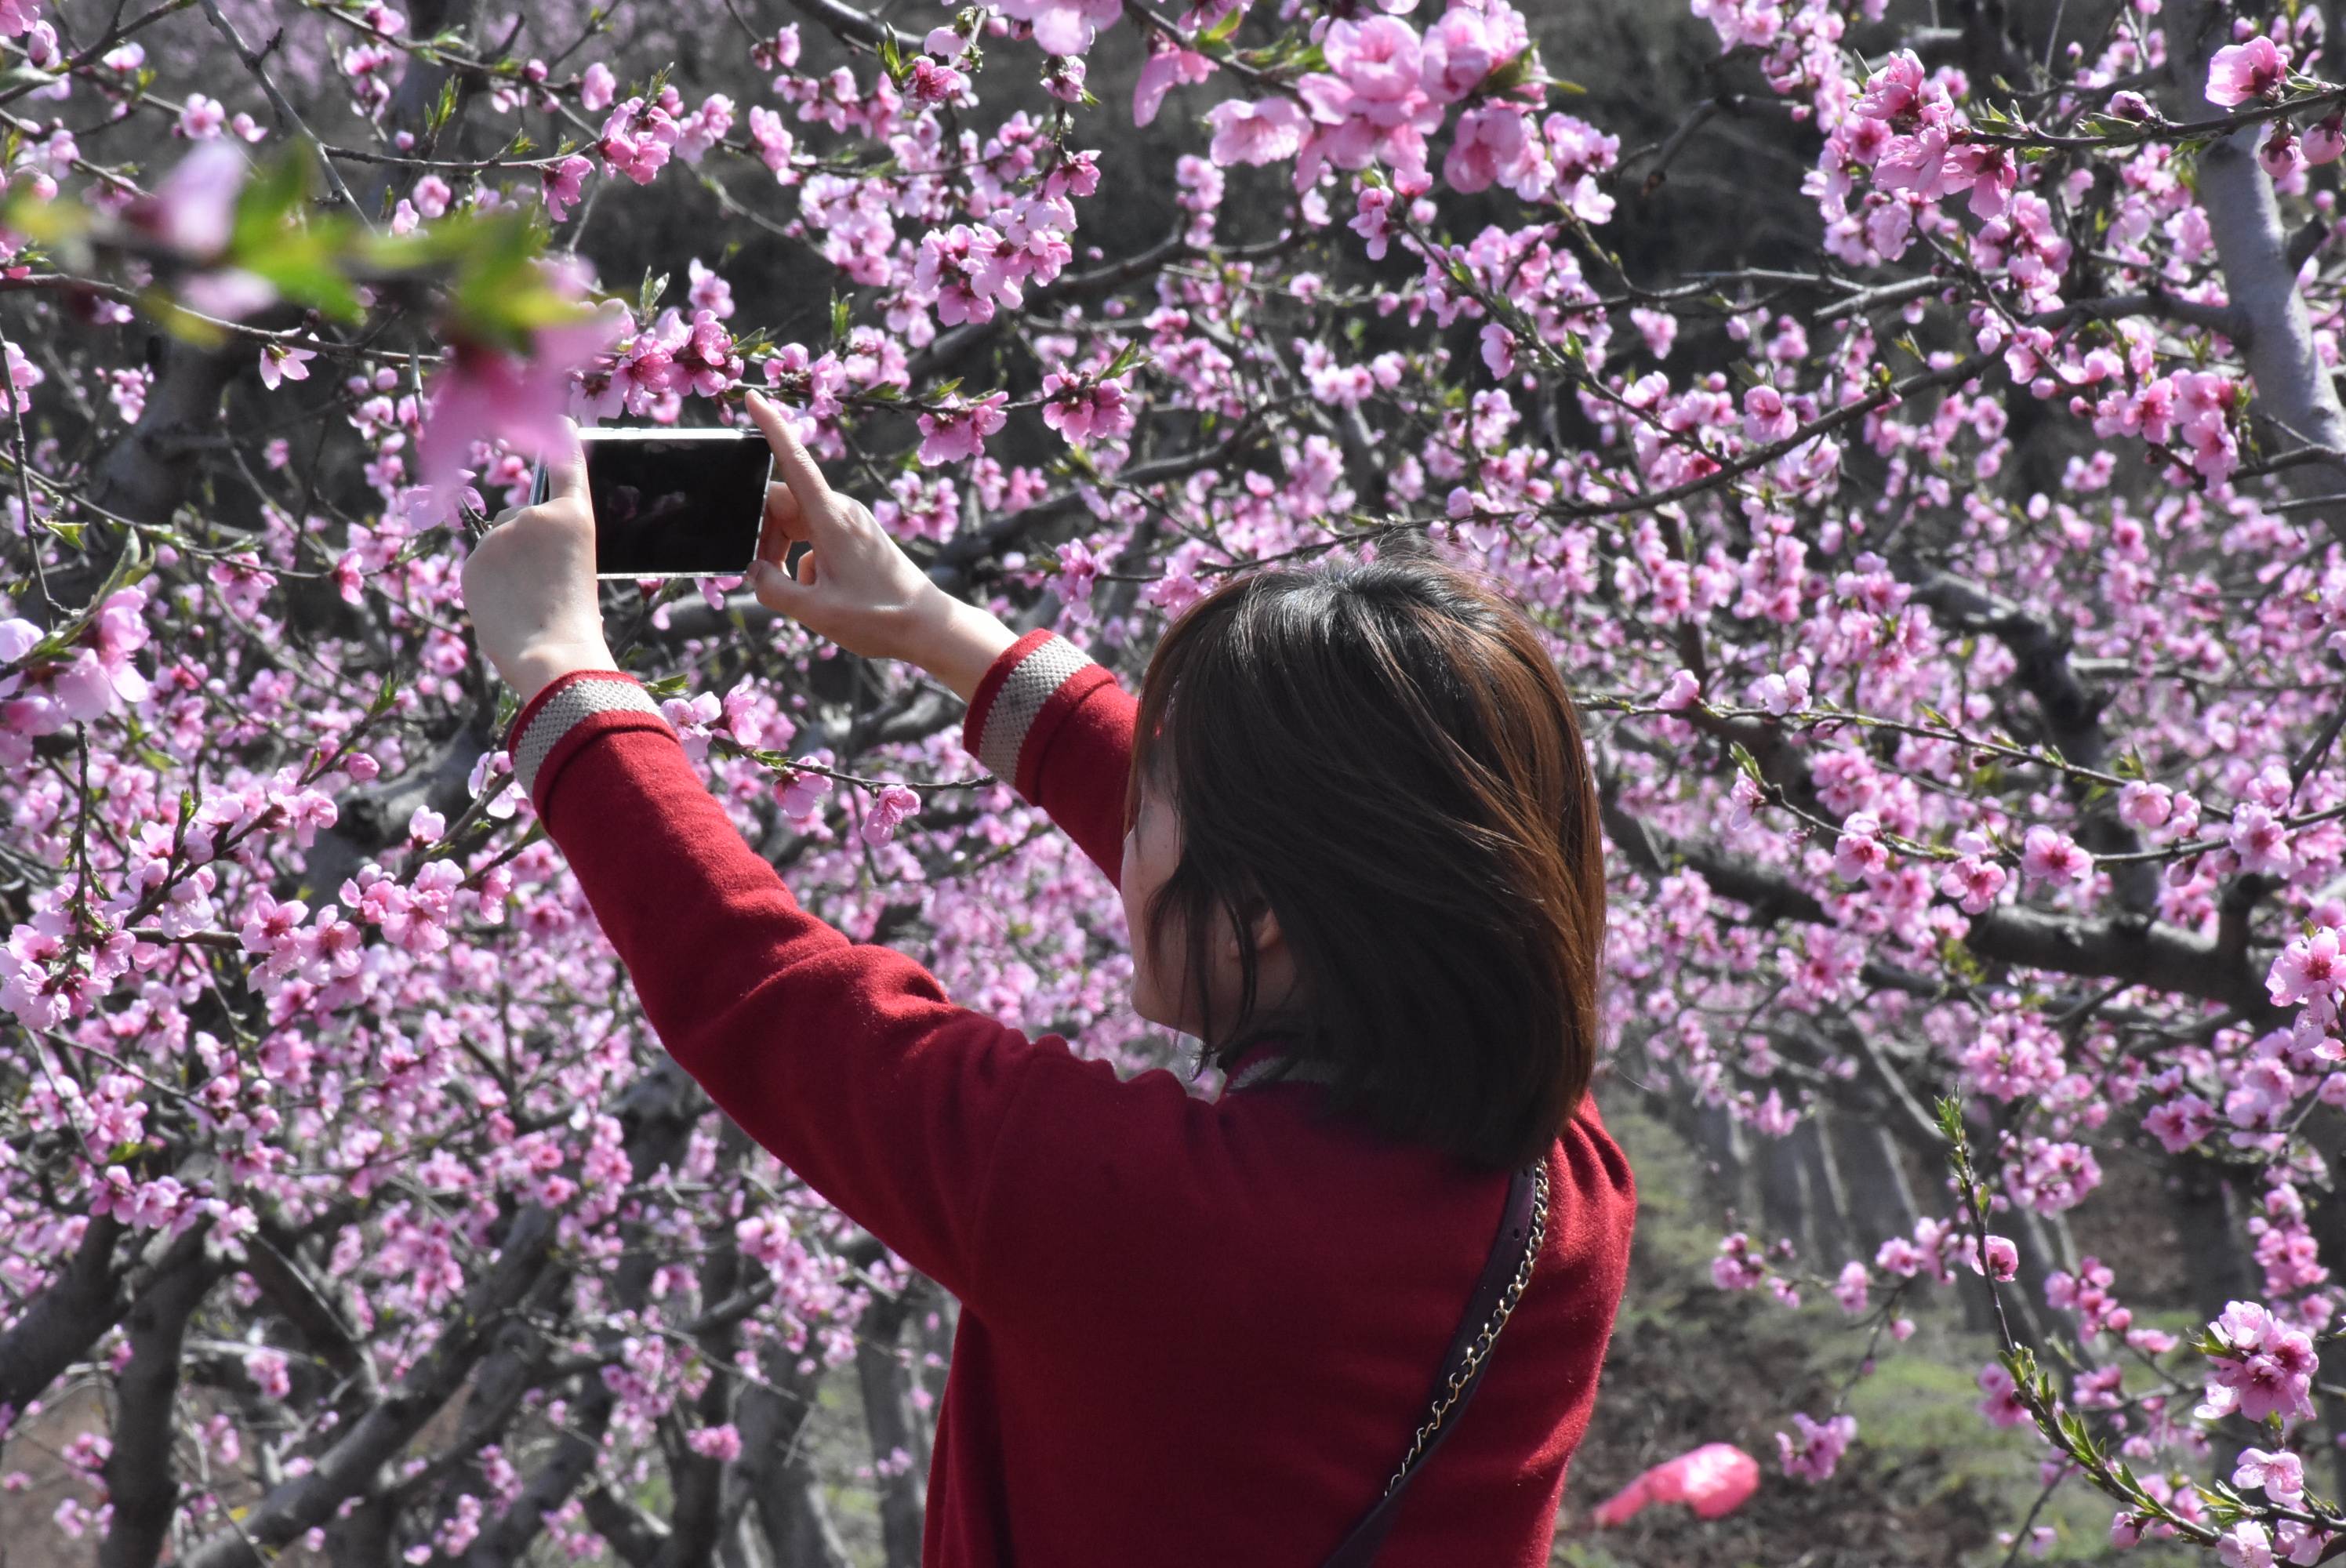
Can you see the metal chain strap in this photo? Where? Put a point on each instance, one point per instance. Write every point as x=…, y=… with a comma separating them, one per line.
x=1482, y=1341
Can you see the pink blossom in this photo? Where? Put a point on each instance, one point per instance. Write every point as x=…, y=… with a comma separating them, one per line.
x=1738, y=1265
x=2179, y=1123
x=2278, y=1475
x=889, y=808
x=798, y=794
x=1498, y=349
x=22, y=376
x=2307, y=969
x=200, y=118
x=636, y=140
x=1974, y=880
x=1466, y=46
x=1851, y=1288
x=1168, y=66
x=1260, y=132
x=774, y=141
x=959, y=429
x=2001, y=1406
x=934, y=82
x=561, y=185
x=2047, y=855
x=2144, y=805
x=1489, y=145
x=1079, y=566
x=2260, y=842
x=1084, y=410
x=1783, y=693
x=1683, y=692
x=269, y=1370
x=1063, y=26
x=279, y=364
x=17, y=17
x=480, y=393
x=194, y=208
x=1374, y=220
x=596, y=88
x=2246, y=1544
x=2268, y=1369
x=1766, y=416
x=720, y=1443
x=2279, y=154
x=1817, y=1451
x=1859, y=853
x=2239, y=72
x=1893, y=92
x=271, y=923
x=2325, y=140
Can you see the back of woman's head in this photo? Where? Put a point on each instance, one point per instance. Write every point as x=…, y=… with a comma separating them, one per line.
x=1382, y=753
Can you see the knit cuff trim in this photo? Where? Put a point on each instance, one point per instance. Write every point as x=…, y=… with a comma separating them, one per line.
x=565, y=713
x=1013, y=695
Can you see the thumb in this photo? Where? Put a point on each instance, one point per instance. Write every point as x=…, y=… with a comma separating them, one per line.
x=777, y=589
x=565, y=464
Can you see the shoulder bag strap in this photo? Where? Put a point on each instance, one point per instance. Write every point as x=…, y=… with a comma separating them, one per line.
x=1521, y=1228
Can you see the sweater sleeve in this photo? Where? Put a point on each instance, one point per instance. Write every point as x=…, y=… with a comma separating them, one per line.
x=845, y=1059
x=1057, y=728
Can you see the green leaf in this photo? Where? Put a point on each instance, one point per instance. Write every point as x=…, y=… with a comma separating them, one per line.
x=269, y=203
x=647, y=298
x=500, y=297
x=1514, y=74
x=44, y=223
x=184, y=324
x=442, y=109
x=308, y=266
x=1127, y=359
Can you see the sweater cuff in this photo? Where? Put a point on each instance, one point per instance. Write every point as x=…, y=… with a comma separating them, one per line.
x=568, y=712
x=1014, y=708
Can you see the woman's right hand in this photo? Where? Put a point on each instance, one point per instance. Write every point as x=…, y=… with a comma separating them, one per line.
x=854, y=584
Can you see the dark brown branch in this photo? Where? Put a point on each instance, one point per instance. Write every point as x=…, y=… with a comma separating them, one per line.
x=140, y=1481
x=350, y=1468
x=851, y=25
x=636, y=1536
x=67, y=1317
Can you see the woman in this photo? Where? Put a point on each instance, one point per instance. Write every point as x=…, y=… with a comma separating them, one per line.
x=1359, y=854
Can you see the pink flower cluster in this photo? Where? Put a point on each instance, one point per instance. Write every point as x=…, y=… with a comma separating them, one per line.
x=2263, y=1368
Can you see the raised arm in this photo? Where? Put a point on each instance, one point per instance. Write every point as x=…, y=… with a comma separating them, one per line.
x=1057, y=728
x=1042, y=715
x=845, y=1059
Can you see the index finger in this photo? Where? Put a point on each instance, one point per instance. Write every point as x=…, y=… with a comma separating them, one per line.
x=565, y=464
x=808, y=486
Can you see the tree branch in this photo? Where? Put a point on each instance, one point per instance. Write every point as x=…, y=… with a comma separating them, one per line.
x=140, y=1483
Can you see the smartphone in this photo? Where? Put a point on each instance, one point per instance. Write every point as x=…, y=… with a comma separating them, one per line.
x=673, y=502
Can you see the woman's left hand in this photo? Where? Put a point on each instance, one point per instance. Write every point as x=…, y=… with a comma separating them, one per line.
x=529, y=583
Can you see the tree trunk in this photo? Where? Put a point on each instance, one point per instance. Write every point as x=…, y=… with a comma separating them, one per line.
x=141, y=1482
x=786, y=1497
x=1881, y=1203
x=888, y=1416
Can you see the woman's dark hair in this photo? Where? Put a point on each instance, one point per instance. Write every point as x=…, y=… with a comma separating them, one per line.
x=1382, y=752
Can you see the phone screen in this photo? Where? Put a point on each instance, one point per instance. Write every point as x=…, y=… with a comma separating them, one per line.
x=676, y=507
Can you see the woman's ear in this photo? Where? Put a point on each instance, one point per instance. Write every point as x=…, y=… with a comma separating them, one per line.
x=1262, y=926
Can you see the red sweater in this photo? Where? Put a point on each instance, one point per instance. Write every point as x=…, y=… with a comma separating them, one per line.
x=1193, y=1331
